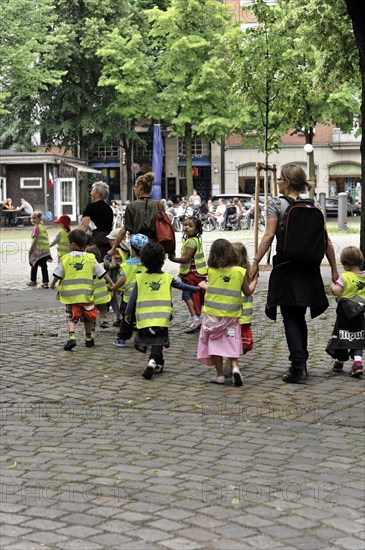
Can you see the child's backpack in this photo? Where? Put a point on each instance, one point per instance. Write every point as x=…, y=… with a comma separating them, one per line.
x=165, y=234
x=302, y=235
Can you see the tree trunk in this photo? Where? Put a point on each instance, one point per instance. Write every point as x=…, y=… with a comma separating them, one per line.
x=356, y=13
x=84, y=181
x=189, y=160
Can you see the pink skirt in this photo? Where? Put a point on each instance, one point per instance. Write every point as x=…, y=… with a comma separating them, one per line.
x=219, y=336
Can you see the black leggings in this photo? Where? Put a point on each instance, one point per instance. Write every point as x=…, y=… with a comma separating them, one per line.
x=296, y=333
x=42, y=263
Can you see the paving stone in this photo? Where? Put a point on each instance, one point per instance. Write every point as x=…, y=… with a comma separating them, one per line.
x=181, y=544
x=349, y=543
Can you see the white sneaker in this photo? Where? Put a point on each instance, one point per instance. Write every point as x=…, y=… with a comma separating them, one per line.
x=152, y=363
x=217, y=380
x=237, y=378
x=195, y=325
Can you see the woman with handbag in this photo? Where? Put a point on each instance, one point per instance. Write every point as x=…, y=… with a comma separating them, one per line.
x=141, y=214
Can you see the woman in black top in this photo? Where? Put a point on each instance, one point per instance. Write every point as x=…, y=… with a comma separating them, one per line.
x=141, y=214
x=293, y=285
x=101, y=214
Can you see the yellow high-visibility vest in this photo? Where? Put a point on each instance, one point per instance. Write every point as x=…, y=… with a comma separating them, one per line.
x=42, y=243
x=198, y=256
x=77, y=285
x=246, y=314
x=63, y=245
x=223, y=297
x=101, y=293
x=354, y=287
x=130, y=272
x=154, y=300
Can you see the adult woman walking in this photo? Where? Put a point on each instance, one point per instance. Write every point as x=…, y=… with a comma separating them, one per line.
x=293, y=285
x=101, y=214
x=141, y=214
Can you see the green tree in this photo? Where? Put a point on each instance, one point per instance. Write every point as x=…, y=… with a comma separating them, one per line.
x=356, y=13
x=191, y=48
x=77, y=113
x=320, y=46
x=28, y=41
x=260, y=91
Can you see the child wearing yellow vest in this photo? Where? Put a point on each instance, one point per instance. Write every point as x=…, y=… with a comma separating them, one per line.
x=220, y=334
x=193, y=269
x=75, y=274
x=348, y=337
x=112, y=265
x=128, y=272
x=152, y=300
x=247, y=301
x=102, y=295
x=39, y=252
x=61, y=239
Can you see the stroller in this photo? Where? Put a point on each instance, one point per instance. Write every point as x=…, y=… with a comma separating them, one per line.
x=231, y=219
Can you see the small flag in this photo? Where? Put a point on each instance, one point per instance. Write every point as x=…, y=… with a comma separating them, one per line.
x=50, y=180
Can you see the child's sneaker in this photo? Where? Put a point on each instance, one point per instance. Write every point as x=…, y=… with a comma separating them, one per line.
x=356, y=369
x=217, y=380
x=158, y=369
x=45, y=285
x=69, y=345
x=337, y=367
x=31, y=283
x=237, y=378
x=149, y=370
x=90, y=343
x=119, y=342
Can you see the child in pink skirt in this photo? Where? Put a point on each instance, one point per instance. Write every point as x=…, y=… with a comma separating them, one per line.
x=220, y=333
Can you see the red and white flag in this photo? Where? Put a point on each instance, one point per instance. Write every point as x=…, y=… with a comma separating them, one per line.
x=50, y=180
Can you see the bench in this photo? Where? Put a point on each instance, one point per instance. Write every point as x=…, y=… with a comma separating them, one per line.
x=16, y=220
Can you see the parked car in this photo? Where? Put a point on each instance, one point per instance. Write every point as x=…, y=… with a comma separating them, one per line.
x=332, y=207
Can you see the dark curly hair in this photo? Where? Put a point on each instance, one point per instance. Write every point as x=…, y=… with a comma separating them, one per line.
x=198, y=227
x=78, y=237
x=153, y=257
x=222, y=254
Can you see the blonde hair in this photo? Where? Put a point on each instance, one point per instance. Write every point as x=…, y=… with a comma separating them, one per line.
x=37, y=214
x=296, y=177
x=352, y=256
x=242, y=256
x=145, y=182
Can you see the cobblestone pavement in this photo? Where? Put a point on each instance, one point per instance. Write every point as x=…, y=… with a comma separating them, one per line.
x=95, y=457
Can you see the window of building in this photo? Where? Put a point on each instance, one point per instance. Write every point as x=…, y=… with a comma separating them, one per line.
x=105, y=151
x=199, y=147
x=30, y=183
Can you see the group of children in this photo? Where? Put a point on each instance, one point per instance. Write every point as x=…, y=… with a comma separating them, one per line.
x=218, y=294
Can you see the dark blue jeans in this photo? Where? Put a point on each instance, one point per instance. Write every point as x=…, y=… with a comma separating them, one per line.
x=296, y=333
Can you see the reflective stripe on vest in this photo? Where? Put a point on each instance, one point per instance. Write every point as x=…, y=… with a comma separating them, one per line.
x=77, y=285
x=354, y=288
x=154, y=302
x=63, y=246
x=130, y=272
x=246, y=315
x=198, y=257
x=223, y=297
x=42, y=242
x=101, y=293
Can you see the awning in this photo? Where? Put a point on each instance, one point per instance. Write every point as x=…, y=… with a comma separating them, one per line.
x=83, y=168
x=201, y=161
x=111, y=164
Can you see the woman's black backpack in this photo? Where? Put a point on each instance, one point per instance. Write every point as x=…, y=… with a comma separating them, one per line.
x=302, y=236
